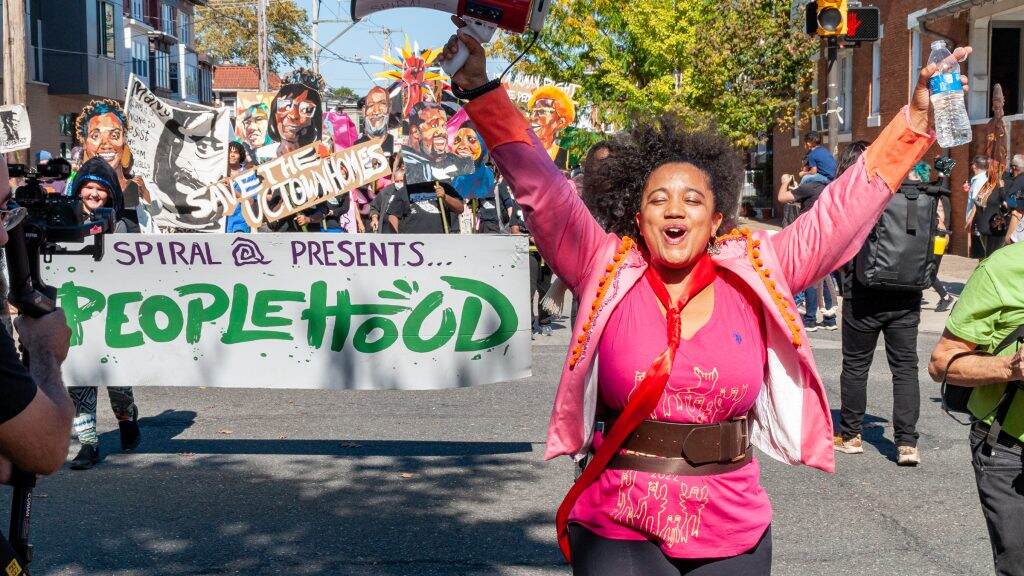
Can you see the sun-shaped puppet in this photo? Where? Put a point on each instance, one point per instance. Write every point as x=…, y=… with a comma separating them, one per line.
x=415, y=73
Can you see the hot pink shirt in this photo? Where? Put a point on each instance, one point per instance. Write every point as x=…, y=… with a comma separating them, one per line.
x=716, y=376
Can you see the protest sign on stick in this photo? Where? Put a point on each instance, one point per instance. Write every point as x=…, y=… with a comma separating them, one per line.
x=15, y=130
x=292, y=183
x=178, y=149
x=297, y=311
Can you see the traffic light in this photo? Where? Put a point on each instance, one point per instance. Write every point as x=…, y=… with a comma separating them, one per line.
x=831, y=17
x=862, y=24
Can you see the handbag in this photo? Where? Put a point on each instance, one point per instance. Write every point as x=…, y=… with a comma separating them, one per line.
x=955, y=398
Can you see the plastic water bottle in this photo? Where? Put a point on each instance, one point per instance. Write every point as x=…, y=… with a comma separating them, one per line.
x=952, y=125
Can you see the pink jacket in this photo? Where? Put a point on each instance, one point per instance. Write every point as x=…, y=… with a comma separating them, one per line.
x=791, y=418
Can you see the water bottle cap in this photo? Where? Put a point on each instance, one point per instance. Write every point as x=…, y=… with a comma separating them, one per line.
x=938, y=44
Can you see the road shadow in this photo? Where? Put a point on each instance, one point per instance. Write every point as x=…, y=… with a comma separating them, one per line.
x=872, y=432
x=159, y=436
x=380, y=513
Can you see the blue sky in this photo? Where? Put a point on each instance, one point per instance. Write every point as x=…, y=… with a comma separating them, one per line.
x=428, y=27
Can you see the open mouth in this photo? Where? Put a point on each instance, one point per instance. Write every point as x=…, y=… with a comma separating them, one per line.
x=440, y=143
x=673, y=234
x=109, y=157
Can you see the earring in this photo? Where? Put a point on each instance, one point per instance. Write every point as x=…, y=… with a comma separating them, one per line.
x=713, y=248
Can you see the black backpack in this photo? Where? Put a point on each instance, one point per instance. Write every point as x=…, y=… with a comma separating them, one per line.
x=899, y=254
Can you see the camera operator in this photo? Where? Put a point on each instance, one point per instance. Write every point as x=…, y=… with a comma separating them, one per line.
x=35, y=409
x=991, y=309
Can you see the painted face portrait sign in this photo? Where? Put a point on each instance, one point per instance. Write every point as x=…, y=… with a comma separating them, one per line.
x=427, y=156
x=549, y=111
x=252, y=118
x=102, y=130
x=376, y=109
x=467, y=144
x=296, y=119
x=15, y=130
x=178, y=150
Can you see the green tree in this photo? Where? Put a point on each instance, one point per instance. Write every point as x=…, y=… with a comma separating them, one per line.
x=343, y=93
x=227, y=30
x=737, y=64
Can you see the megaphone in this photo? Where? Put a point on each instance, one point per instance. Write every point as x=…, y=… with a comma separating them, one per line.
x=483, y=18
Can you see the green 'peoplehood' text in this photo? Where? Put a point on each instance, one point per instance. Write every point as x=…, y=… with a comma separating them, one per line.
x=253, y=316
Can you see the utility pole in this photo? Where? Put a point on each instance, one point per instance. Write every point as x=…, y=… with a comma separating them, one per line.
x=14, y=57
x=832, y=51
x=261, y=18
x=315, y=38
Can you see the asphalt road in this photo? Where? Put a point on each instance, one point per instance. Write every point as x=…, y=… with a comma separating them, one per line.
x=451, y=482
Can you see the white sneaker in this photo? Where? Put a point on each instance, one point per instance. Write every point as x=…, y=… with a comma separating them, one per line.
x=907, y=456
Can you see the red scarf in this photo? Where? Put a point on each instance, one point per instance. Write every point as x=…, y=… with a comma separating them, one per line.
x=645, y=398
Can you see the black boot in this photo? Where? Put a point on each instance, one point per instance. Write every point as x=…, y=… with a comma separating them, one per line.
x=88, y=456
x=130, y=433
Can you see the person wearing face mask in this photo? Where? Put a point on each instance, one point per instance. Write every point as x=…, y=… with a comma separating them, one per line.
x=97, y=186
x=652, y=396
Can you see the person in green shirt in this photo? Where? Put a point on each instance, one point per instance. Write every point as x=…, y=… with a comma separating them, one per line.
x=990, y=309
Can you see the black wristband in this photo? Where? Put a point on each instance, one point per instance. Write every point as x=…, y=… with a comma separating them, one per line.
x=475, y=92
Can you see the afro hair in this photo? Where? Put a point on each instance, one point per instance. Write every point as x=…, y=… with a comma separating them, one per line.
x=94, y=109
x=614, y=187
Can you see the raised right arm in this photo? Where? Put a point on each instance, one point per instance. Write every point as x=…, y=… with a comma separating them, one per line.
x=566, y=234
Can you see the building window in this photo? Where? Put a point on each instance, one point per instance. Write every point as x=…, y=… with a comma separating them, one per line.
x=1004, y=65
x=140, y=57
x=175, y=75
x=915, y=59
x=876, y=79
x=105, y=38
x=167, y=19
x=137, y=10
x=185, y=27
x=161, y=69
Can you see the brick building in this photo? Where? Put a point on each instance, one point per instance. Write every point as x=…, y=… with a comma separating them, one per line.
x=876, y=80
x=80, y=50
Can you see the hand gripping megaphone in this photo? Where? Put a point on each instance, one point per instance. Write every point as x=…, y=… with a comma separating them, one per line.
x=482, y=17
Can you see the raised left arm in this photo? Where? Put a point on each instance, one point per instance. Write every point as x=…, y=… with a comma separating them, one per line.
x=832, y=231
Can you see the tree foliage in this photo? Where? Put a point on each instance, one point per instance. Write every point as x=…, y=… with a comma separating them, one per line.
x=343, y=93
x=229, y=32
x=736, y=64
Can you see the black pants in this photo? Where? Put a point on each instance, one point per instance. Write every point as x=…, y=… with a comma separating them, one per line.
x=861, y=326
x=1000, y=476
x=489, y=227
x=540, y=281
x=593, y=555
x=937, y=284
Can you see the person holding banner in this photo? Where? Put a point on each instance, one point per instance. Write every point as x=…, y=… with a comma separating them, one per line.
x=237, y=164
x=382, y=203
x=427, y=208
x=96, y=184
x=671, y=296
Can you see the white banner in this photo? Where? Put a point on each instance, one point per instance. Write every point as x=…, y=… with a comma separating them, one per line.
x=178, y=149
x=15, y=129
x=332, y=311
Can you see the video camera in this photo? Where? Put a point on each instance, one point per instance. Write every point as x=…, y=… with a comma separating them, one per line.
x=38, y=223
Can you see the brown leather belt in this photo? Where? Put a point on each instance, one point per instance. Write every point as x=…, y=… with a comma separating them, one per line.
x=684, y=449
